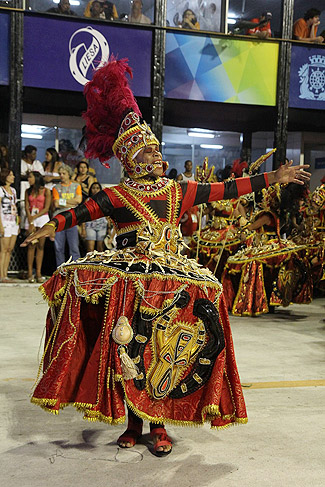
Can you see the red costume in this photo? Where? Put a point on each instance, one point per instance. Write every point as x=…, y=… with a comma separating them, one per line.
x=180, y=365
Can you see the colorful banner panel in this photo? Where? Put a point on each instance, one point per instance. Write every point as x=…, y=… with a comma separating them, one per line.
x=307, y=78
x=224, y=70
x=4, y=48
x=62, y=54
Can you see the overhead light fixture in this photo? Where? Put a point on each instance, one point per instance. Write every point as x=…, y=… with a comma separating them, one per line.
x=231, y=18
x=203, y=135
x=75, y=3
x=31, y=136
x=211, y=146
x=32, y=129
x=199, y=130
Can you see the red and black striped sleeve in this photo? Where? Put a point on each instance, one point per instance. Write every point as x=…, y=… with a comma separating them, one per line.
x=196, y=193
x=93, y=208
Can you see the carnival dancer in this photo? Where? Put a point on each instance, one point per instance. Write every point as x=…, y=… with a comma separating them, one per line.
x=141, y=325
x=271, y=269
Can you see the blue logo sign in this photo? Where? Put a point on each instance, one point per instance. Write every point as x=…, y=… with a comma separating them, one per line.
x=312, y=78
x=71, y=50
x=89, y=50
x=307, y=78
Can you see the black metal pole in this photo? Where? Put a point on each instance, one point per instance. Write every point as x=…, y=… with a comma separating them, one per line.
x=158, y=78
x=223, y=19
x=16, y=90
x=283, y=86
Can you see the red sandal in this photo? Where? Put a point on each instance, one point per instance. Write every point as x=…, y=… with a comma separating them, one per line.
x=133, y=432
x=129, y=436
x=163, y=440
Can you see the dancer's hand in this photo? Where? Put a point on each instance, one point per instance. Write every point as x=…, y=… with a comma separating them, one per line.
x=288, y=173
x=45, y=231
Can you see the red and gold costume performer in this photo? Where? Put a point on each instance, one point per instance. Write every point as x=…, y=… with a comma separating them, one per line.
x=141, y=325
x=269, y=266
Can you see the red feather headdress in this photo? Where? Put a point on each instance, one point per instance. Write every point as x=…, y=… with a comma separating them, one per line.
x=113, y=118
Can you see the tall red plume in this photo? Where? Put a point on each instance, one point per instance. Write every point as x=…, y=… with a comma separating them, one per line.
x=109, y=99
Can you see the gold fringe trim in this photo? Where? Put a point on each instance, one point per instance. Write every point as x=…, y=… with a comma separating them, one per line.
x=208, y=411
x=89, y=414
x=57, y=295
x=94, y=298
x=236, y=422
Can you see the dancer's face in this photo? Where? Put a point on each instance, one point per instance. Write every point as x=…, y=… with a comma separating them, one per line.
x=150, y=155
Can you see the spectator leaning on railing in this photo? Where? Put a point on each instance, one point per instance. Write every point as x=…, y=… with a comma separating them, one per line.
x=107, y=10
x=97, y=11
x=262, y=30
x=305, y=29
x=189, y=20
x=136, y=15
x=63, y=8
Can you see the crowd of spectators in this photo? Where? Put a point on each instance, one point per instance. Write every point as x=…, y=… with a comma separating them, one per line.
x=304, y=28
x=105, y=10
x=46, y=189
x=205, y=17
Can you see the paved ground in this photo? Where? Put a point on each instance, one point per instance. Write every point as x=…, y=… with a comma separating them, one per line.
x=281, y=360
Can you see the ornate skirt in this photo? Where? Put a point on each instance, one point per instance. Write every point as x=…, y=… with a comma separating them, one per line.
x=182, y=344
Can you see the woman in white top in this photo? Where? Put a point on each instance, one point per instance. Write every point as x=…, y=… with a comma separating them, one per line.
x=51, y=167
x=9, y=227
x=29, y=162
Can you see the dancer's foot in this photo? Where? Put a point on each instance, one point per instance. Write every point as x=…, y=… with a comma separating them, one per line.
x=129, y=438
x=162, y=444
x=133, y=433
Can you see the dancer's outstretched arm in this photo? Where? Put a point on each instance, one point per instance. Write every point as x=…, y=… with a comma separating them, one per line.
x=197, y=193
